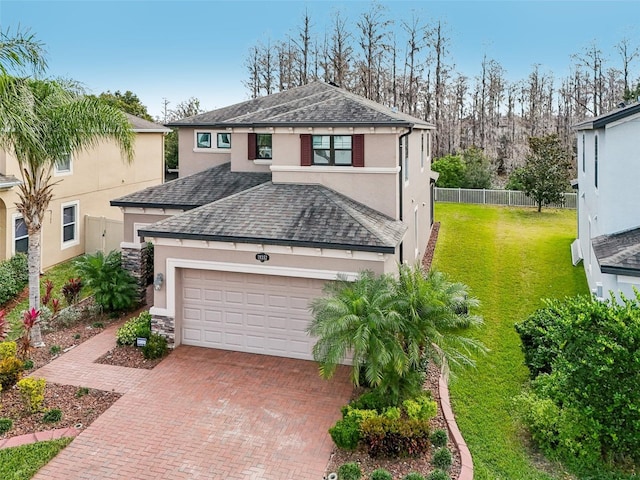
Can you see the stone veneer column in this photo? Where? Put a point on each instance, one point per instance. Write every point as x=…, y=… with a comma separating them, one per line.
x=133, y=261
x=165, y=326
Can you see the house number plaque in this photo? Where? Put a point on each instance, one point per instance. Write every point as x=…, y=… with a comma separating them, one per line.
x=263, y=257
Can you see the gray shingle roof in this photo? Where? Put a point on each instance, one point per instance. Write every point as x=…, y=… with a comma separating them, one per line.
x=619, y=253
x=195, y=190
x=606, y=118
x=142, y=125
x=8, y=181
x=287, y=214
x=316, y=103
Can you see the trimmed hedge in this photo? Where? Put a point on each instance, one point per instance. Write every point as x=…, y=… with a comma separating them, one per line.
x=14, y=276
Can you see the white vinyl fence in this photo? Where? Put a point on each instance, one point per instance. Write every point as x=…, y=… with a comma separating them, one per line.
x=102, y=234
x=496, y=197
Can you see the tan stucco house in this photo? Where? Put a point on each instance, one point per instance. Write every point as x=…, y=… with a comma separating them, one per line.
x=86, y=182
x=276, y=196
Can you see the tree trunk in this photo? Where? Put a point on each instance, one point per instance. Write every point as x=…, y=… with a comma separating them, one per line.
x=34, y=284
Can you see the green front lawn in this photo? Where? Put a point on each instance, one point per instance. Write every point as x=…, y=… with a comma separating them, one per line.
x=511, y=258
x=21, y=463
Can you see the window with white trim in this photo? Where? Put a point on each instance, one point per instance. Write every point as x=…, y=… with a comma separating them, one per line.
x=70, y=224
x=20, y=235
x=203, y=139
x=416, y=231
x=406, y=158
x=595, y=162
x=63, y=166
x=332, y=150
x=422, y=150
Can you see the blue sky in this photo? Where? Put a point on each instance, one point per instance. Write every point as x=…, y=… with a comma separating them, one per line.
x=178, y=49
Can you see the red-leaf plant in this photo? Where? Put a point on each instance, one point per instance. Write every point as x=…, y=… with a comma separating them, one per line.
x=55, y=306
x=29, y=319
x=47, y=294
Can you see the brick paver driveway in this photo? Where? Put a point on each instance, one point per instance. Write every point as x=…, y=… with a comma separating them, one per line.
x=212, y=414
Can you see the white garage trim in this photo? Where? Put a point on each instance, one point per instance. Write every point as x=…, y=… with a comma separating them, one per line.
x=175, y=263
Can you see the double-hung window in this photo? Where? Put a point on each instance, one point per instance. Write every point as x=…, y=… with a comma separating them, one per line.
x=20, y=235
x=595, y=162
x=70, y=224
x=264, y=148
x=332, y=150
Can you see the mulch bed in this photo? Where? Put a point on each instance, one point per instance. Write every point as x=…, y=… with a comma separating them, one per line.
x=431, y=247
x=402, y=466
x=128, y=356
x=77, y=406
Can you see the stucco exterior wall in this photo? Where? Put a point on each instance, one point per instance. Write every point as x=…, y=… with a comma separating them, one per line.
x=192, y=160
x=97, y=176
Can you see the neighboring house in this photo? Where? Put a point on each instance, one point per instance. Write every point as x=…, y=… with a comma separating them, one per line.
x=608, y=166
x=282, y=194
x=85, y=183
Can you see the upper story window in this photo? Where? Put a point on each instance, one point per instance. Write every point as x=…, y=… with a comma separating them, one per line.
x=20, y=235
x=583, y=154
x=264, y=147
x=404, y=152
x=422, y=150
x=63, y=165
x=223, y=140
x=595, y=161
x=332, y=149
x=203, y=140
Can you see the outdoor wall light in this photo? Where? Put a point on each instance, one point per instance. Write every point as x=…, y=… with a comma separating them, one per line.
x=158, y=281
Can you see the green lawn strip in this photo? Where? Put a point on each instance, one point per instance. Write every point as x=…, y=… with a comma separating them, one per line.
x=511, y=258
x=21, y=463
x=59, y=275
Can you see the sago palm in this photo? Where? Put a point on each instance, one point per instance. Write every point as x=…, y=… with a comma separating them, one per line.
x=354, y=320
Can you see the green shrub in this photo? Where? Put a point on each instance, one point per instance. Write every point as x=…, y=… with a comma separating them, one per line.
x=381, y=474
x=27, y=364
x=582, y=406
x=372, y=400
x=55, y=349
x=442, y=458
x=10, y=371
x=392, y=413
x=439, y=437
x=68, y=317
x=139, y=326
x=82, y=391
x=421, y=407
x=438, y=475
x=52, y=416
x=20, y=266
x=413, y=476
x=6, y=424
x=8, y=349
x=156, y=347
x=113, y=287
x=32, y=392
x=386, y=437
x=349, y=471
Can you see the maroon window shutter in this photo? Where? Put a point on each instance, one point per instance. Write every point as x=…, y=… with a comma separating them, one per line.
x=305, y=150
x=252, y=146
x=358, y=150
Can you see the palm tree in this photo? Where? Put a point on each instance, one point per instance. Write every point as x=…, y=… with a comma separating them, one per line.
x=59, y=121
x=355, y=319
x=21, y=50
x=436, y=312
x=390, y=325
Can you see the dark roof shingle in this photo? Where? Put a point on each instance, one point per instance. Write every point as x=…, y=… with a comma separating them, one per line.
x=195, y=190
x=287, y=214
x=8, y=181
x=141, y=125
x=619, y=253
x=316, y=103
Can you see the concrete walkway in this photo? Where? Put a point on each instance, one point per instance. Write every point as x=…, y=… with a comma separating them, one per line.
x=201, y=413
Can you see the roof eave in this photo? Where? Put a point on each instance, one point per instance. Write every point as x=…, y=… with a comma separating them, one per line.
x=166, y=206
x=298, y=124
x=267, y=241
x=631, y=272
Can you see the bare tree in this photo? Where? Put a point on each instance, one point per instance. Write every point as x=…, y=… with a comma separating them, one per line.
x=628, y=54
x=374, y=36
x=340, y=50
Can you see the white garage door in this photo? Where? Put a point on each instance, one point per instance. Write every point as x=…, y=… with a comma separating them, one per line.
x=252, y=313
